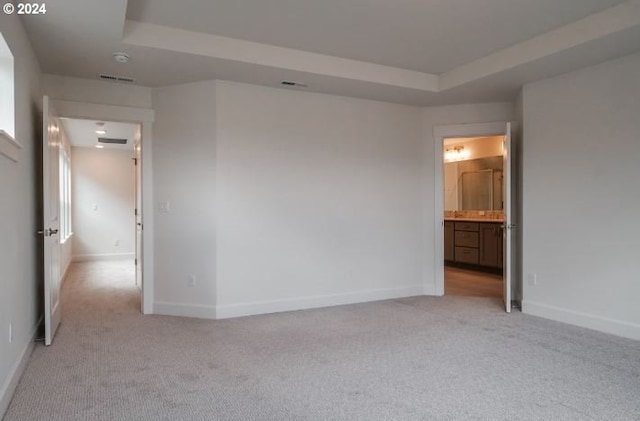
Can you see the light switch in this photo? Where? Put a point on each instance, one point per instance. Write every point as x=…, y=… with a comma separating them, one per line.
x=164, y=207
x=95, y=207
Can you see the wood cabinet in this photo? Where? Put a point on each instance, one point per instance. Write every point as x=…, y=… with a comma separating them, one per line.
x=490, y=245
x=473, y=243
x=448, y=241
x=466, y=242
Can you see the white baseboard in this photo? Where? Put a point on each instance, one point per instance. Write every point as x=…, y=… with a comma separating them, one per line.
x=103, y=256
x=590, y=321
x=9, y=386
x=277, y=306
x=65, y=271
x=301, y=303
x=184, y=310
x=430, y=289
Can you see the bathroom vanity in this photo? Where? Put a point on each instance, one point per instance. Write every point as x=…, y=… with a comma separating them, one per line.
x=475, y=242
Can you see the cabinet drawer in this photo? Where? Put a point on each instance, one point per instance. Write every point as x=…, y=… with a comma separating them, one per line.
x=467, y=255
x=466, y=226
x=466, y=239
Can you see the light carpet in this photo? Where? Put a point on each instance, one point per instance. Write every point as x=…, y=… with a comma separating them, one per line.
x=422, y=358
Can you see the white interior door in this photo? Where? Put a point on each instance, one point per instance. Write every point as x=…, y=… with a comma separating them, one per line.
x=51, y=220
x=137, y=145
x=509, y=225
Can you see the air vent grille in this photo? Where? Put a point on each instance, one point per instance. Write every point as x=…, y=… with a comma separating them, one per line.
x=292, y=83
x=113, y=141
x=116, y=78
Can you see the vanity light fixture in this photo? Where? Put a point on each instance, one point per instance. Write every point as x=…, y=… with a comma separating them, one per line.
x=456, y=153
x=100, y=146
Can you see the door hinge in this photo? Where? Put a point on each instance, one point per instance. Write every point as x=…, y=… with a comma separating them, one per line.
x=135, y=211
x=135, y=261
x=135, y=161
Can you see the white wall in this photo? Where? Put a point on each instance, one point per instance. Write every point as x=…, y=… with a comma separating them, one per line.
x=184, y=158
x=19, y=274
x=581, y=197
x=96, y=91
x=436, y=116
x=319, y=200
x=103, y=202
x=281, y=199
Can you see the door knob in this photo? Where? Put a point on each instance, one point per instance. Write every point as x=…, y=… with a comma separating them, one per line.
x=48, y=232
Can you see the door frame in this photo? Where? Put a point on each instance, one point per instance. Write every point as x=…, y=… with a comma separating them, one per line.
x=138, y=226
x=144, y=117
x=439, y=134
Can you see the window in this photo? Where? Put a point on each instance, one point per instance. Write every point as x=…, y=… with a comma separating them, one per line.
x=7, y=117
x=65, y=192
x=8, y=145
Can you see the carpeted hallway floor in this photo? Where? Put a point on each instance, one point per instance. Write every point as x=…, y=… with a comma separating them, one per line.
x=423, y=358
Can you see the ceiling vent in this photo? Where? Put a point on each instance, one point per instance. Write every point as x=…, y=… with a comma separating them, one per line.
x=112, y=140
x=116, y=78
x=292, y=83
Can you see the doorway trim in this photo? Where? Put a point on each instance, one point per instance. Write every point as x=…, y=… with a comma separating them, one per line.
x=440, y=133
x=144, y=117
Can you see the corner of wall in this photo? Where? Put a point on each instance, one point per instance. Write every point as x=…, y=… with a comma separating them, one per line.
x=18, y=180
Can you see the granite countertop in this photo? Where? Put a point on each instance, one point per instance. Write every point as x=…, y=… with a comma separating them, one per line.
x=497, y=221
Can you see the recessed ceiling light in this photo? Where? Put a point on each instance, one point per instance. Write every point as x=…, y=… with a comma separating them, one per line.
x=121, y=57
x=100, y=128
x=100, y=146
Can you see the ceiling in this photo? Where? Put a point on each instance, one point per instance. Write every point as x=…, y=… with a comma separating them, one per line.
x=82, y=133
x=409, y=51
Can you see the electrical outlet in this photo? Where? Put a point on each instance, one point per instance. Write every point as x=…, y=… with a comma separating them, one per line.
x=532, y=278
x=191, y=281
x=10, y=332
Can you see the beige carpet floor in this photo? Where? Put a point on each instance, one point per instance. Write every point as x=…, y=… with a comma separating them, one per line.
x=422, y=358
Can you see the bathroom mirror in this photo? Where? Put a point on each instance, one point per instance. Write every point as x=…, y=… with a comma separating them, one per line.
x=474, y=184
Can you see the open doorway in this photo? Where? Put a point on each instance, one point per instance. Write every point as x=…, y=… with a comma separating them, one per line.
x=55, y=148
x=473, y=216
x=484, y=235
x=101, y=194
x=143, y=117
